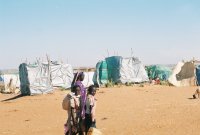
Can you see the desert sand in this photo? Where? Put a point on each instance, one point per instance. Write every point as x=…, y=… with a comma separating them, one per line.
x=148, y=110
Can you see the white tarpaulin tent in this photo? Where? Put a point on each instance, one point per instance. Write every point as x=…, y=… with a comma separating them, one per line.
x=35, y=79
x=132, y=70
x=41, y=77
x=120, y=70
x=61, y=75
x=10, y=82
x=88, y=80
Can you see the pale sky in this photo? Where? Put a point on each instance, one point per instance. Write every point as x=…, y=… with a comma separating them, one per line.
x=81, y=31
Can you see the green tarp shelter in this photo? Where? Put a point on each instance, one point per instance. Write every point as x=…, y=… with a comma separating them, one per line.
x=160, y=71
x=117, y=69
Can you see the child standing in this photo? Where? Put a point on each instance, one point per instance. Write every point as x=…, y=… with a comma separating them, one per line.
x=90, y=108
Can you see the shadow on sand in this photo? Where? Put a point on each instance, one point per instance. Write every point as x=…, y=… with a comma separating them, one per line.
x=13, y=98
x=191, y=98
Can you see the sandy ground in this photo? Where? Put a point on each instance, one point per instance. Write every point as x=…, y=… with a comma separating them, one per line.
x=149, y=110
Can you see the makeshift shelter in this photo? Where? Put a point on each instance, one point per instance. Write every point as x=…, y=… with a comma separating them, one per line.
x=9, y=81
x=88, y=80
x=35, y=79
x=61, y=75
x=1, y=79
x=101, y=73
x=120, y=70
x=198, y=74
x=40, y=78
x=183, y=74
x=160, y=71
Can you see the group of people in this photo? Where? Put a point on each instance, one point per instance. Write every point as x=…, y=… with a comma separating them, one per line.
x=80, y=104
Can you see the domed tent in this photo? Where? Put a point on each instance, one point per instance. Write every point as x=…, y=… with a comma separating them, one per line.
x=160, y=71
x=120, y=70
x=183, y=74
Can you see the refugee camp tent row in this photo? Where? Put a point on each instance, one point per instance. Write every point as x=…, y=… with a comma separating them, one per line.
x=117, y=69
x=40, y=78
x=158, y=71
x=183, y=74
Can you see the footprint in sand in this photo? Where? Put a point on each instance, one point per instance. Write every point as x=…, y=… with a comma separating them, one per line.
x=104, y=118
x=27, y=120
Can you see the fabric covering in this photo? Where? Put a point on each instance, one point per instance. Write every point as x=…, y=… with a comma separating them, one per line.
x=10, y=79
x=198, y=74
x=101, y=73
x=40, y=78
x=88, y=80
x=120, y=70
x=35, y=79
x=61, y=75
x=187, y=71
x=179, y=71
x=160, y=71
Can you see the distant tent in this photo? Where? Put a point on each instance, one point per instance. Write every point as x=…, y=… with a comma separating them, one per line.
x=88, y=80
x=61, y=75
x=41, y=77
x=183, y=74
x=101, y=73
x=10, y=82
x=120, y=70
x=35, y=79
x=160, y=71
x=1, y=79
x=198, y=75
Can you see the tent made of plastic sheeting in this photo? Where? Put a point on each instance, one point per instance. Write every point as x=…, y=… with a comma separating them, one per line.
x=183, y=75
x=35, y=79
x=10, y=82
x=160, y=71
x=1, y=79
x=61, y=75
x=120, y=70
x=198, y=74
x=101, y=73
x=88, y=79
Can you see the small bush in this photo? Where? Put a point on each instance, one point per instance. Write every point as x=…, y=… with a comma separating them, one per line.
x=109, y=84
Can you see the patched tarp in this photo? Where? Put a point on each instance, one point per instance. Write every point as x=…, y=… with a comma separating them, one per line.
x=61, y=75
x=183, y=82
x=101, y=73
x=121, y=70
x=198, y=75
x=160, y=71
x=132, y=70
x=35, y=79
x=113, y=67
x=187, y=71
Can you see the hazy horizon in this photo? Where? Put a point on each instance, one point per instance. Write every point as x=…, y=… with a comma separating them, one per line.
x=83, y=32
